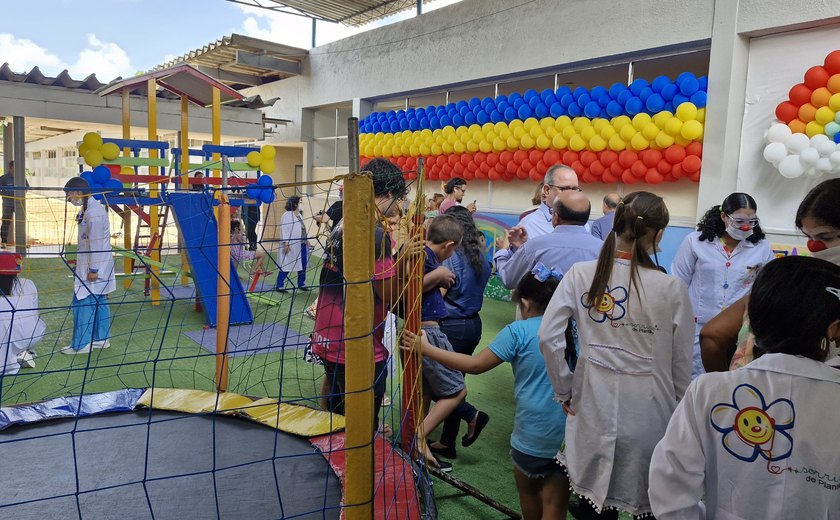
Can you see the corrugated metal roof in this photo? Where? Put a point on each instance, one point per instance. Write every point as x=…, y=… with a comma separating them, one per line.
x=36, y=77
x=348, y=12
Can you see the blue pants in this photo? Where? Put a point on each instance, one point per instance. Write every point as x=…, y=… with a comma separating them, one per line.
x=91, y=320
x=301, y=275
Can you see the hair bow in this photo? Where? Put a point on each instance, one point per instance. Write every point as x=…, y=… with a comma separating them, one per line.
x=543, y=273
x=833, y=290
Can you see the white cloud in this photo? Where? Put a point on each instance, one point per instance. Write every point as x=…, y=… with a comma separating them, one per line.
x=22, y=55
x=106, y=59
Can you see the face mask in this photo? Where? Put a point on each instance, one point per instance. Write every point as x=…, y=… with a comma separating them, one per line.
x=738, y=233
x=75, y=201
x=815, y=246
x=833, y=349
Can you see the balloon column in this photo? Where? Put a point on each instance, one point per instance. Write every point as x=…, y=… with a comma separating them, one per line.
x=262, y=191
x=646, y=132
x=96, y=154
x=262, y=160
x=807, y=140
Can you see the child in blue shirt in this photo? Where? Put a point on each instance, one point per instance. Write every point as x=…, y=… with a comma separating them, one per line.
x=441, y=384
x=539, y=424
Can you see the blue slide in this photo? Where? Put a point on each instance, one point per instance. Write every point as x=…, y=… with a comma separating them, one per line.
x=197, y=224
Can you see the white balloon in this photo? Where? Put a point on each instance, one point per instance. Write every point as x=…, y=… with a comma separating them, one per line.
x=775, y=152
x=826, y=148
x=790, y=166
x=778, y=133
x=795, y=143
x=812, y=172
x=824, y=165
x=835, y=158
x=809, y=157
x=817, y=139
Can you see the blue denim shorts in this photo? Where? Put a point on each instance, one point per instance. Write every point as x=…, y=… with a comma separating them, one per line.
x=534, y=467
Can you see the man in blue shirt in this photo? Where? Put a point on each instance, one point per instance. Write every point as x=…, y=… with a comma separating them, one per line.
x=558, y=179
x=602, y=227
x=568, y=244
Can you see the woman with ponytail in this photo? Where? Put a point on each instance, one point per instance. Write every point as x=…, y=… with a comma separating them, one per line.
x=720, y=260
x=635, y=327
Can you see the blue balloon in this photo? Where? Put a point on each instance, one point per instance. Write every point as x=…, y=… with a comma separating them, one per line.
x=267, y=196
x=669, y=91
x=501, y=106
x=583, y=100
x=476, y=110
x=517, y=103
x=87, y=176
x=488, y=101
x=637, y=86
x=525, y=112
x=440, y=111
x=404, y=125
x=645, y=93
x=510, y=114
x=460, y=104
x=431, y=111
x=113, y=186
x=616, y=89
x=604, y=100
x=592, y=109
x=689, y=86
x=377, y=127
x=633, y=106
x=624, y=96
x=252, y=191
x=837, y=138
x=567, y=100
x=101, y=174
x=414, y=125
x=659, y=82
x=458, y=120
x=545, y=93
x=682, y=77
x=502, y=97
x=654, y=103
x=425, y=124
x=530, y=93
x=483, y=117
x=562, y=91
x=534, y=102
x=614, y=109
x=395, y=127
x=434, y=122
x=679, y=99
x=451, y=106
x=469, y=119
x=557, y=110
x=598, y=91
x=575, y=110
x=541, y=110
x=445, y=121
x=578, y=92
x=703, y=83
x=496, y=116
x=474, y=102
x=550, y=99
x=699, y=99
x=467, y=110
x=265, y=180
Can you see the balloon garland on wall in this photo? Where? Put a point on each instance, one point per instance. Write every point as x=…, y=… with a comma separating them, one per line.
x=644, y=132
x=807, y=140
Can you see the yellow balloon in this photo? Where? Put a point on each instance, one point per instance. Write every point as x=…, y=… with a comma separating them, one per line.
x=436, y=149
x=577, y=143
x=569, y=132
x=543, y=142
x=686, y=112
x=640, y=120
x=562, y=122
x=485, y=146
x=627, y=132
x=425, y=149
x=486, y=127
x=536, y=131
x=619, y=122
x=701, y=114
x=607, y=132
x=473, y=128
x=425, y=133
x=546, y=123
x=513, y=142
x=83, y=149
x=599, y=123
x=127, y=170
x=617, y=144
x=465, y=137
x=254, y=159
x=110, y=151
x=499, y=145
x=691, y=129
x=650, y=131
x=587, y=133
x=414, y=150
x=527, y=142
x=660, y=118
x=504, y=133
x=386, y=151
x=447, y=148
x=664, y=140
x=437, y=132
x=673, y=126
x=92, y=140
x=550, y=132
x=448, y=130
x=459, y=147
x=824, y=115
x=639, y=143
x=559, y=142
x=680, y=140
x=813, y=128
x=452, y=138
x=267, y=151
x=519, y=132
x=530, y=123
x=834, y=102
x=93, y=158
x=579, y=123
x=460, y=131
x=377, y=150
x=597, y=143
x=472, y=146
x=267, y=166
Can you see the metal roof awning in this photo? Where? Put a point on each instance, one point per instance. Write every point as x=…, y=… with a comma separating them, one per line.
x=354, y=13
x=242, y=61
x=182, y=80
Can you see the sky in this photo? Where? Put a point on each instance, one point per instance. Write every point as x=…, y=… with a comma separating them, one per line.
x=123, y=37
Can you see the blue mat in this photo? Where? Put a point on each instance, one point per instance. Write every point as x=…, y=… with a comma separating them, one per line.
x=260, y=338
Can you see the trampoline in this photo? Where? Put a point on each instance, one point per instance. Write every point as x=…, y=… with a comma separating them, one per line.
x=104, y=458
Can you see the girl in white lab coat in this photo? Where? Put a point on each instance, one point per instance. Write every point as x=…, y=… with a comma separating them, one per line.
x=761, y=441
x=635, y=327
x=94, y=273
x=294, y=248
x=720, y=260
x=20, y=327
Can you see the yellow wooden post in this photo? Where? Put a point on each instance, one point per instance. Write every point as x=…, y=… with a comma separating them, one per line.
x=223, y=293
x=153, y=188
x=185, y=178
x=217, y=125
x=358, y=348
x=126, y=134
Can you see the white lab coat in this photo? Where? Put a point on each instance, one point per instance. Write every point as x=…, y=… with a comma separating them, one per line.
x=94, y=252
x=794, y=474
x=292, y=233
x=634, y=366
x=20, y=327
x=716, y=280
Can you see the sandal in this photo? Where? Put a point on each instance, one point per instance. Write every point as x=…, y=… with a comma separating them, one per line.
x=481, y=420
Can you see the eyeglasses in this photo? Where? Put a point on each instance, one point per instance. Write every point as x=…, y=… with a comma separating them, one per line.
x=565, y=188
x=751, y=222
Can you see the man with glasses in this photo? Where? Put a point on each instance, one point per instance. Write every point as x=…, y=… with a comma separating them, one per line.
x=558, y=178
x=455, y=190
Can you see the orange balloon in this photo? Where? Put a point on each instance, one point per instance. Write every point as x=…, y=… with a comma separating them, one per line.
x=820, y=97
x=797, y=126
x=807, y=112
x=834, y=84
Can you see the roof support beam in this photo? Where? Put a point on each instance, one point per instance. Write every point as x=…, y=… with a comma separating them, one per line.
x=267, y=62
x=231, y=77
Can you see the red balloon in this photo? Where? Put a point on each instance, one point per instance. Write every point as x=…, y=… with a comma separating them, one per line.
x=535, y=156
x=832, y=62
x=472, y=167
x=551, y=157
x=479, y=157
x=578, y=167
x=432, y=175
x=484, y=167
x=505, y=157
x=523, y=174
x=639, y=169
x=468, y=175
x=466, y=158
x=787, y=112
x=482, y=175
x=695, y=177
x=527, y=165
x=816, y=77
x=607, y=157
x=653, y=177
x=114, y=168
x=536, y=176
x=609, y=178
x=670, y=178
x=616, y=169
x=494, y=175
x=800, y=94
x=651, y=158
x=628, y=178
x=458, y=169
x=445, y=170
x=663, y=167
x=587, y=177
x=691, y=164
x=695, y=149
x=511, y=167
x=453, y=160
x=430, y=161
x=597, y=169
x=627, y=157
x=677, y=172
x=587, y=158
x=674, y=154
x=541, y=168
x=569, y=157
x=502, y=168
x=520, y=156
x=492, y=159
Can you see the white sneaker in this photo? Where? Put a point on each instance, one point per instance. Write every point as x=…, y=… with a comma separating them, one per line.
x=26, y=359
x=101, y=344
x=70, y=351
